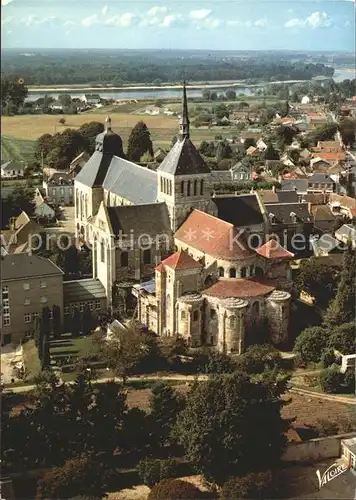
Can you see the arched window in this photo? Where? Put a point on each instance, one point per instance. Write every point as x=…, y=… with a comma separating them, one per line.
x=255, y=241
x=195, y=187
x=102, y=251
x=170, y=188
x=221, y=272
x=208, y=281
x=124, y=259
x=182, y=188
x=259, y=271
x=232, y=321
x=243, y=272
x=232, y=273
x=182, y=315
x=212, y=314
x=188, y=188
x=162, y=184
x=202, y=187
x=195, y=315
x=255, y=309
x=147, y=256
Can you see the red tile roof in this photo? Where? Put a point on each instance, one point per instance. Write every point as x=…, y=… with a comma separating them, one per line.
x=239, y=288
x=273, y=250
x=160, y=268
x=213, y=236
x=335, y=156
x=179, y=260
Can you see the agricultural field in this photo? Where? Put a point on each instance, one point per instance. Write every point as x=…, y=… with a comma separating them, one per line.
x=16, y=148
x=19, y=132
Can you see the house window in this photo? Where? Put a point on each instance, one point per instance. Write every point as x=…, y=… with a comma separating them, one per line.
x=102, y=251
x=202, y=187
x=195, y=187
x=50, y=314
x=252, y=270
x=71, y=191
x=27, y=302
x=221, y=272
x=27, y=318
x=43, y=284
x=97, y=305
x=212, y=339
x=43, y=300
x=6, y=320
x=5, y=291
x=124, y=259
x=66, y=310
x=162, y=184
x=182, y=315
x=232, y=321
x=232, y=273
x=147, y=256
x=256, y=308
x=91, y=306
x=259, y=271
x=81, y=306
x=195, y=315
x=53, y=192
x=62, y=191
x=212, y=314
x=26, y=286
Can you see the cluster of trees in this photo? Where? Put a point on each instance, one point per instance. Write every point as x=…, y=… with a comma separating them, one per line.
x=118, y=67
x=212, y=95
x=21, y=199
x=59, y=150
x=338, y=329
x=326, y=90
x=13, y=94
x=219, y=427
x=140, y=144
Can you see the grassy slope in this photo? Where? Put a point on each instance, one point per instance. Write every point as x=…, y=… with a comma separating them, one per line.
x=13, y=148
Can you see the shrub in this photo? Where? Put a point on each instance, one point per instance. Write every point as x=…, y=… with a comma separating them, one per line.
x=175, y=489
x=62, y=121
x=328, y=358
x=349, y=381
x=153, y=470
x=331, y=380
x=257, y=485
x=259, y=358
x=325, y=428
x=310, y=344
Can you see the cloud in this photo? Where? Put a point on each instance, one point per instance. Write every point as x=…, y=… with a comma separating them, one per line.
x=123, y=20
x=35, y=20
x=104, y=10
x=315, y=20
x=69, y=23
x=260, y=23
x=90, y=20
x=5, y=2
x=198, y=15
x=319, y=20
x=160, y=16
x=211, y=23
x=157, y=11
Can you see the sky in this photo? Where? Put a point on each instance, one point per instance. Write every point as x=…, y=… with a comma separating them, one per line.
x=186, y=24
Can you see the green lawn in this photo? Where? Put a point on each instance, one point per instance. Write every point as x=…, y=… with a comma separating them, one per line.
x=16, y=149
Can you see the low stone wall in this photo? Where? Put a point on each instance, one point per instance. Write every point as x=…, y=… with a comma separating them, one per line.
x=316, y=449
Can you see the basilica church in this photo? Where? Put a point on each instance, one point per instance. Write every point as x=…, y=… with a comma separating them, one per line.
x=201, y=265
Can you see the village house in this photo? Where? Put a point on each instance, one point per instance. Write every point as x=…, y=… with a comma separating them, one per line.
x=28, y=283
x=343, y=205
x=17, y=238
x=59, y=188
x=12, y=169
x=91, y=99
x=43, y=210
x=320, y=181
x=346, y=234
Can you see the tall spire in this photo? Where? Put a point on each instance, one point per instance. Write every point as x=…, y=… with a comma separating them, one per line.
x=184, y=121
x=108, y=123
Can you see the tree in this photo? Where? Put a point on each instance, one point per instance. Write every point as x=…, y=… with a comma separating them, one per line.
x=19, y=200
x=90, y=131
x=259, y=358
x=139, y=142
x=285, y=135
x=249, y=141
x=13, y=94
x=43, y=146
x=125, y=350
x=56, y=314
x=76, y=323
x=318, y=280
x=342, y=338
x=223, y=150
x=153, y=470
x=310, y=344
x=175, y=489
x=285, y=108
x=206, y=94
x=221, y=111
x=78, y=477
x=343, y=308
x=347, y=129
x=230, y=94
x=270, y=153
x=257, y=485
x=223, y=426
x=65, y=100
x=165, y=405
x=331, y=379
x=87, y=320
